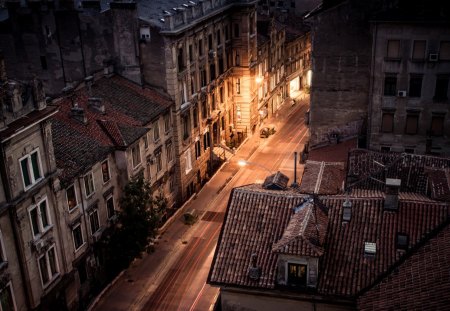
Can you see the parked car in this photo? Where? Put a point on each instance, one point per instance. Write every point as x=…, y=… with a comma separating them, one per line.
x=267, y=130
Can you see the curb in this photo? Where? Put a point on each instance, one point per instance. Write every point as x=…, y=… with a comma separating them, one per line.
x=104, y=291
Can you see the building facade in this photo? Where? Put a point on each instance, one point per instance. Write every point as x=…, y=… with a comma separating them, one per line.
x=409, y=102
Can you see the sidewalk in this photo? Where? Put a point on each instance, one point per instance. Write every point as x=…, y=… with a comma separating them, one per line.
x=134, y=286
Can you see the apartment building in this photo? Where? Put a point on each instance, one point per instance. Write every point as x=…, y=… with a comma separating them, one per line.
x=409, y=103
x=33, y=264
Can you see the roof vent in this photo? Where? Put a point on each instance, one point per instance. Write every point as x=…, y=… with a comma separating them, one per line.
x=370, y=248
x=254, y=272
x=347, y=210
x=392, y=190
x=79, y=114
x=96, y=104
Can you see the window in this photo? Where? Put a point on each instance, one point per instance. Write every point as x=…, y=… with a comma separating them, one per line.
x=296, y=274
x=210, y=42
x=44, y=62
x=71, y=197
x=186, y=128
x=167, y=122
x=93, y=221
x=415, y=86
x=236, y=30
x=218, y=37
x=419, y=48
x=169, y=152
x=390, y=85
x=136, y=155
x=39, y=218
x=156, y=131
x=385, y=149
x=145, y=142
x=206, y=140
x=48, y=266
x=3, y=258
x=200, y=47
x=31, y=169
x=105, y=171
x=412, y=122
x=187, y=157
x=203, y=77
x=387, y=122
x=198, y=150
x=89, y=184
x=7, y=302
x=158, y=161
x=393, y=49
x=437, y=125
x=204, y=109
x=370, y=248
x=441, y=90
x=402, y=241
x=192, y=83
x=444, y=51
x=110, y=211
x=238, y=86
x=180, y=59
x=191, y=53
x=212, y=71
x=82, y=273
x=195, y=115
x=77, y=236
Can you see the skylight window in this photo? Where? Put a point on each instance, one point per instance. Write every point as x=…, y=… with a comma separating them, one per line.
x=370, y=248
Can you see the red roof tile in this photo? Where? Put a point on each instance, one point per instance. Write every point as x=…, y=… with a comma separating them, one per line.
x=421, y=282
x=322, y=177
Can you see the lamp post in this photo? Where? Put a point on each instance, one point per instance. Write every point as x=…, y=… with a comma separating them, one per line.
x=243, y=163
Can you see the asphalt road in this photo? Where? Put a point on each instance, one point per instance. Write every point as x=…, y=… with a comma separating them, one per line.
x=174, y=277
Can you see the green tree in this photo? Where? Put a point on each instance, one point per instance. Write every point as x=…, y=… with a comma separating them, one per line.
x=138, y=221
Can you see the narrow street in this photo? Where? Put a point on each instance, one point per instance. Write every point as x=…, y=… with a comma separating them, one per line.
x=174, y=277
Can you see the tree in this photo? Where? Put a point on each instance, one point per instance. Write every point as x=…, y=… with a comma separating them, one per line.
x=138, y=221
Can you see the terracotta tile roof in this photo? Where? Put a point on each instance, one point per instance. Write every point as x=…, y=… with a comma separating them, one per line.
x=277, y=181
x=345, y=269
x=421, y=282
x=333, y=153
x=256, y=219
x=305, y=234
x=128, y=109
x=263, y=222
x=369, y=169
x=322, y=177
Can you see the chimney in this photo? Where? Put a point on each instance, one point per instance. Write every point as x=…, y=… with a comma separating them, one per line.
x=78, y=113
x=89, y=81
x=346, y=210
x=40, y=100
x=68, y=93
x=391, y=191
x=96, y=104
x=254, y=272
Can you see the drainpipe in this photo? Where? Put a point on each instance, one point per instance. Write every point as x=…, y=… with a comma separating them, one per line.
x=294, y=184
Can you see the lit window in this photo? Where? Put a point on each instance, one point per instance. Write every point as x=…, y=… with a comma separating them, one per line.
x=71, y=197
x=48, y=266
x=136, y=155
x=187, y=157
x=105, y=171
x=89, y=184
x=39, y=218
x=93, y=221
x=77, y=235
x=110, y=207
x=297, y=274
x=31, y=169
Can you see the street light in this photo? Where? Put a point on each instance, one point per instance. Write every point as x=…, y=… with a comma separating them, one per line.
x=243, y=163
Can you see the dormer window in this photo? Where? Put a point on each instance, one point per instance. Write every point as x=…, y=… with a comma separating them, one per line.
x=297, y=274
x=31, y=169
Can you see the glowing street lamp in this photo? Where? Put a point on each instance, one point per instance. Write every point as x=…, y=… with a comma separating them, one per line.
x=258, y=79
x=243, y=163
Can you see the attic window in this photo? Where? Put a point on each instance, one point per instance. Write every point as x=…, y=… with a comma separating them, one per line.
x=297, y=274
x=402, y=241
x=370, y=248
x=347, y=210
